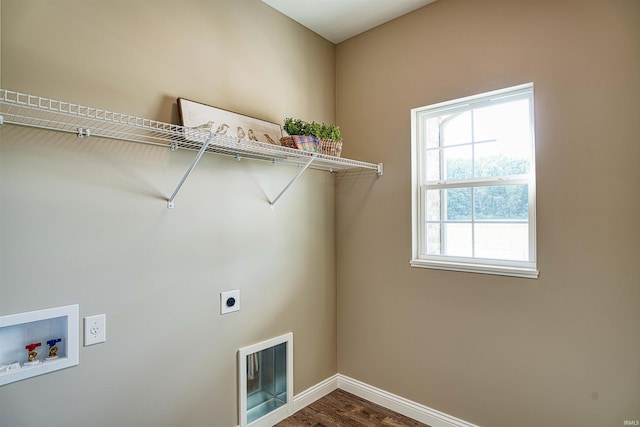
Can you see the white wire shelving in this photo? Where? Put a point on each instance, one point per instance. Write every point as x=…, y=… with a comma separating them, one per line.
x=34, y=111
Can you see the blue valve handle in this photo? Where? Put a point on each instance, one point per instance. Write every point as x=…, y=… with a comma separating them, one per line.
x=53, y=342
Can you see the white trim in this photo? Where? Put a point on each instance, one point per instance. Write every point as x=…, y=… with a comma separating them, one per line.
x=498, y=270
x=314, y=393
x=399, y=404
x=510, y=92
x=380, y=397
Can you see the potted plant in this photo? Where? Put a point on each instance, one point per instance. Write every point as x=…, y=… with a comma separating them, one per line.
x=320, y=137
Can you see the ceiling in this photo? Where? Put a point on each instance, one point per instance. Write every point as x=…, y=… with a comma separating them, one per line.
x=338, y=20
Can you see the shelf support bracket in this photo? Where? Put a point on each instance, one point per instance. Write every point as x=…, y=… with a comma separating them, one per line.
x=284, y=190
x=193, y=165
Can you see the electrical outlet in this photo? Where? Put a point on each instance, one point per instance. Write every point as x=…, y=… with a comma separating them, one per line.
x=95, y=329
x=229, y=301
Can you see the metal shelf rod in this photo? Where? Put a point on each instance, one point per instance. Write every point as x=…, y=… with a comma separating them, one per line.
x=304, y=168
x=186, y=175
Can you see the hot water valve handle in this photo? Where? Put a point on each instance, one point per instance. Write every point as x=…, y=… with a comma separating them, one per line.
x=31, y=348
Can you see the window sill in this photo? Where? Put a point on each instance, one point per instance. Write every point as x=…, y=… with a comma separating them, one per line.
x=500, y=270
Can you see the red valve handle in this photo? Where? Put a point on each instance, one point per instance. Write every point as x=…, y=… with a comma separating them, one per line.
x=33, y=346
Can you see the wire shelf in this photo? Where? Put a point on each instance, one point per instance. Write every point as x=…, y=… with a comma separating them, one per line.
x=34, y=111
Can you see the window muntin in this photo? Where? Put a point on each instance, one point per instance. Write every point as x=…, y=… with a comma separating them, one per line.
x=474, y=184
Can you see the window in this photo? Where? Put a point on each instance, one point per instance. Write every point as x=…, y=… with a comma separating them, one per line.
x=474, y=184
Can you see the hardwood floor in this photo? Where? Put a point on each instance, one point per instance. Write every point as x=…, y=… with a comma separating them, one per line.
x=342, y=409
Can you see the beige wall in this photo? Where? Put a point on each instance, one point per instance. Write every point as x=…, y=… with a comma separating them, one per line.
x=85, y=221
x=497, y=351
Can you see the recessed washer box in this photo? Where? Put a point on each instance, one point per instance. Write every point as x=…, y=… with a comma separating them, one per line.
x=40, y=331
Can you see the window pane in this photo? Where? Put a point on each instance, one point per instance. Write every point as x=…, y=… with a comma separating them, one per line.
x=434, y=239
x=509, y=202
x=433, y=205
x=456, y=200
x=502, y=241
x=434, y=171
x=456, y=128
x=458, y=204
x=432, y=131
x=508, y=121
x=457, y=240
x=452, y=239
x=491, y=160
x=456, y=162
x=507, y=127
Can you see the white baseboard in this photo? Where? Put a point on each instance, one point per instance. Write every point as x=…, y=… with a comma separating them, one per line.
x=399, y=404
x=314, y=393
x=383, y=398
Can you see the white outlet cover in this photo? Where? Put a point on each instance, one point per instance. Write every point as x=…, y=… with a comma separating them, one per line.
x=95, y=329
x=225, y=296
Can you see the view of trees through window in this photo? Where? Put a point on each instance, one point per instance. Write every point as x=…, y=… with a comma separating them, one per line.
x=476, y=181
x=490, y=203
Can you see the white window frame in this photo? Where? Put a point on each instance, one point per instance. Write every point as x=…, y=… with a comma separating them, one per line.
x=419, y=258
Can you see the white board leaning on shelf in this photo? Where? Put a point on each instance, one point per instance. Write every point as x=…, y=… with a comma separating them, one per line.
x=196, y=115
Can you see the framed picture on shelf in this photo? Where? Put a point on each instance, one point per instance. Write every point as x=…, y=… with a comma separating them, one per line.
x=196, y=115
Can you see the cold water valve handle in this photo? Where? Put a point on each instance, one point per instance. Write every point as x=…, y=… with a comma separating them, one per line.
x=53, y=348
x=31, y=348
